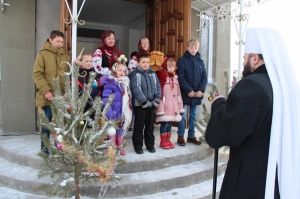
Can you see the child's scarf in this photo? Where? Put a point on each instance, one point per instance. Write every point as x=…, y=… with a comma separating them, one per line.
x=163, y=74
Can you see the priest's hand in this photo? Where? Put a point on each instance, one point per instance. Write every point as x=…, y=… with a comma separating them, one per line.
x=217, y=97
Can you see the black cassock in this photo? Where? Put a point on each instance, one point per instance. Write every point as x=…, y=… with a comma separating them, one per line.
x=243, y=122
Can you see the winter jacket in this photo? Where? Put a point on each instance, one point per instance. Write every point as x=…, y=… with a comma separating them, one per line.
x=47, y=66
x=110, y=87
x=84, y=78
x=171, y=106
x=145, y=87
x=192, y=77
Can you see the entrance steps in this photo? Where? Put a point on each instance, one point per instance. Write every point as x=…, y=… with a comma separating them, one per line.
x=183, y=172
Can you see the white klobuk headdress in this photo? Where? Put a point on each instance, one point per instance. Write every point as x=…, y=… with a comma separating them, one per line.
x=285, y=131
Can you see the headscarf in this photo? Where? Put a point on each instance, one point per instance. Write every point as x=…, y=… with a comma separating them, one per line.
x=112, y=50
x=140, y=47
x=163, y=73
x=285, y=130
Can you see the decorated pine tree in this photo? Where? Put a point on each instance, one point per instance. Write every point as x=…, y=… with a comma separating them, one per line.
x=80, y=153
x=201, y=124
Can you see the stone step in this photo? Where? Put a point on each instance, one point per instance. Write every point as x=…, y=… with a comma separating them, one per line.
x=201, y=190
x=23, y=150
x=147, y=175
x=196, y=191
x=151, y=182
x=133, y=184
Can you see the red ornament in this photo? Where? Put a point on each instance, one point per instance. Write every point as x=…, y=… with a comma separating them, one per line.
x=69, y=110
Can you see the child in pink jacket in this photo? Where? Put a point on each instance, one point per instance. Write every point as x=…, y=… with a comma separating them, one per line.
x=169, y=109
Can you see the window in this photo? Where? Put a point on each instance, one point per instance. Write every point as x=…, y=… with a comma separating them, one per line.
x=206, y=42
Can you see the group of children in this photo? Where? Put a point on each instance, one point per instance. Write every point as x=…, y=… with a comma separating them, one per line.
x=149, y=96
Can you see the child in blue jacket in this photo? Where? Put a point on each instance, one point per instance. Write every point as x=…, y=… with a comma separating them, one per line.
x=146, y=91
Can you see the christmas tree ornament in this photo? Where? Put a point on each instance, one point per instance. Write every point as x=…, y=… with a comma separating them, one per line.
x=59, y=146
x=216, y=94
x=60, y=138
x=111, y=131
x=95, y=84
x=52, y=119
x=81, y=122
x=210, y=98
x=90, y=124
x=69, y=110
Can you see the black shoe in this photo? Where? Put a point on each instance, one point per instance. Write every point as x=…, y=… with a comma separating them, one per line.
x=45, y=150
x=139, y=151
x=152, y=150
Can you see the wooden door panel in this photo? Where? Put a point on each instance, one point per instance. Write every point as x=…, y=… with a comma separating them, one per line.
x=169, y=31
x=66, y=28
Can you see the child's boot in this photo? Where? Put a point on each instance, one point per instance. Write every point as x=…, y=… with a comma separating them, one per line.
x=180, y=140
x=119, y=143
x=113, y=140
x=170, y=144
x=163, y=141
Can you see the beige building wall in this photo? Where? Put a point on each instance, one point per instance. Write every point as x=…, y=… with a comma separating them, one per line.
x=222, y=52
x=47, y=19
x=17, y=45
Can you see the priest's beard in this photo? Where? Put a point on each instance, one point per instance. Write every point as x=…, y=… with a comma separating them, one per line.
x=247, y=69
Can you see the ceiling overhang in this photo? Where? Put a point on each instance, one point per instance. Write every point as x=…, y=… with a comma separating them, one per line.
x=201, y=5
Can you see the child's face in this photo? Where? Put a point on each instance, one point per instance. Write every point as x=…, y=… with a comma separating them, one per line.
x=193, y=49
x=144, y=63
x=87, y=62
x=110, y=40
x=145, y=44
x=121, y=70
x=57, y=42
x=171, y=69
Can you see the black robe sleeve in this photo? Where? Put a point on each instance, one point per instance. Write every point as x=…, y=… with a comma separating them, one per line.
x=241, y=115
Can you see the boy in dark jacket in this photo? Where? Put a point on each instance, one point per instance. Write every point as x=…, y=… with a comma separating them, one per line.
x=192, y=79
x=146, y=91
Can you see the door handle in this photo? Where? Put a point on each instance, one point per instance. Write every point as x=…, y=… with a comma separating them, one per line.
x=4, y=4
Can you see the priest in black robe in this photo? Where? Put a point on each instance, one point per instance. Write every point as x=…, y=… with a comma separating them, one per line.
x=255, y=128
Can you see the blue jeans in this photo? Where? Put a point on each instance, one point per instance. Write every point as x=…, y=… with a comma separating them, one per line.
x=45, y=131
x=191, y=123
x=165, y=127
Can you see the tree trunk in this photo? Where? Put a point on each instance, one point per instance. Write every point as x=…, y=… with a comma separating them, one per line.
x=76, y=178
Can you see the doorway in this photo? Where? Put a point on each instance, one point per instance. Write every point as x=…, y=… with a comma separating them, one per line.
x=126, y=18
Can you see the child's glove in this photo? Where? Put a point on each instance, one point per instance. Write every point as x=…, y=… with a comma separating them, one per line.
x=144, y=104
x=156, y=102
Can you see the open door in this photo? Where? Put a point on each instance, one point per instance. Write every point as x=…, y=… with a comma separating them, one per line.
x=168, y=26
x=66, y=28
